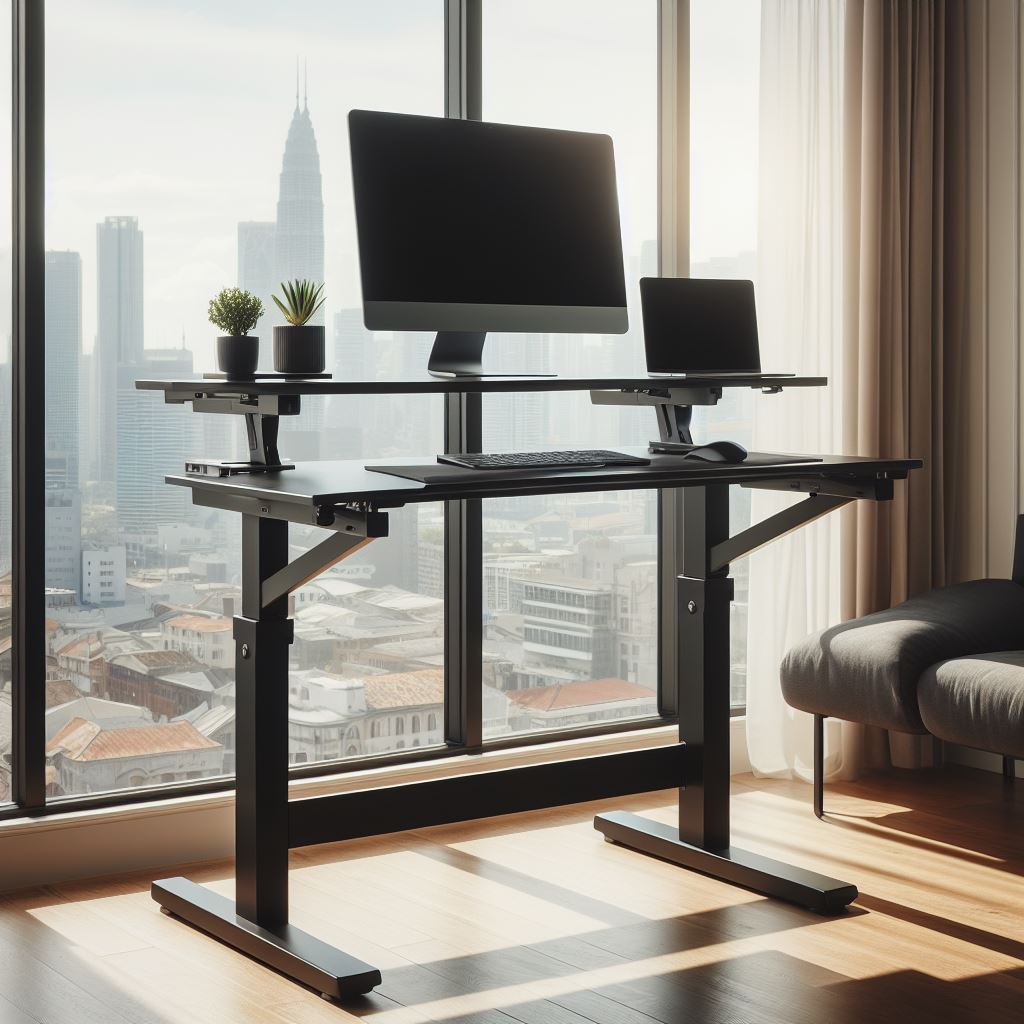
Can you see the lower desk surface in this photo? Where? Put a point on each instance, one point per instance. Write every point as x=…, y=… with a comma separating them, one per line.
x=313, y=484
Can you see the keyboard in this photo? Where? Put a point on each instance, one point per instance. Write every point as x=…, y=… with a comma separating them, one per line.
x=544, y=460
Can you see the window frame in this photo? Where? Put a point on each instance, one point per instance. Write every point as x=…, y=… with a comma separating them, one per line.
x=462, y=715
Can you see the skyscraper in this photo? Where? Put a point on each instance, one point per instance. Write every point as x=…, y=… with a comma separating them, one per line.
x=256, y=266
x=153, y=443
x=63, y=355
x=299, y=238
x=299, y=253
x=119, y=327
x=63, y=568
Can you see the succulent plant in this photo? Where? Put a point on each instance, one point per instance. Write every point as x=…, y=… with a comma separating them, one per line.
x=302, y=299
x=235, y=311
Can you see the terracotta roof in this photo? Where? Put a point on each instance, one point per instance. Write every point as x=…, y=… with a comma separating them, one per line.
x=156, y=659
x=83, y=646
x=201, y=623
x=579, y=694
x=404, y=689
x=60, y=691
x=81, y=740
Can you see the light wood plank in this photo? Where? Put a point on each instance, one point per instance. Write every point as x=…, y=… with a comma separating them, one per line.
x=534, y=919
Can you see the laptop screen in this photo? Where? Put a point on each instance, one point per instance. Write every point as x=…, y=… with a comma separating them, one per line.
x=697, y=325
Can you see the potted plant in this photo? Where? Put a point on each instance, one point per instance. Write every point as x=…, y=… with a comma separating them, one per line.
x=236, y=313
x=299, y=345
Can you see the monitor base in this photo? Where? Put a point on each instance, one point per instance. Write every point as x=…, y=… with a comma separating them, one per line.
x=460, y=354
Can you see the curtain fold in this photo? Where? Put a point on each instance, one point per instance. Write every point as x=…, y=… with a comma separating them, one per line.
x=869, y=212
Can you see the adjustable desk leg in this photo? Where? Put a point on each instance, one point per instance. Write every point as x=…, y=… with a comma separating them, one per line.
x=256, y=923
x=701, y=840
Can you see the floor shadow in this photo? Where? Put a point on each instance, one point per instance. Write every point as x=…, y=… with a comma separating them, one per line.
x=760, y=988
x=530, y=885
x=954, y=929
x=565, y=966
x=47, y=970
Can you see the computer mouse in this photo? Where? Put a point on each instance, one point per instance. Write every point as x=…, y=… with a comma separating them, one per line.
x=719, y=451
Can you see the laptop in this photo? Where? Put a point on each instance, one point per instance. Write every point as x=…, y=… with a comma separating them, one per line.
x=701, y=327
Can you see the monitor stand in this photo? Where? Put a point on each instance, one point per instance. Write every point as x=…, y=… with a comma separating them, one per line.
x=460, y=354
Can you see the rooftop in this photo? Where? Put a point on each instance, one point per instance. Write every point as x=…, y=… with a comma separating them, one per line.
x=579, y=694
x=152, y=662
x=82, y=740
x=200, y=623
x=404, y=689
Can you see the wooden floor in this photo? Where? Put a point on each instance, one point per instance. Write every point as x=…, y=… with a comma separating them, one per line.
x=533, y=918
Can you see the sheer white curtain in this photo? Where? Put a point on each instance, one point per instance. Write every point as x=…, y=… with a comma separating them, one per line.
x=862, y=228
x=795, y=583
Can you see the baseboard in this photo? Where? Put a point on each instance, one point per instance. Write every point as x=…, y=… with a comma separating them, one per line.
x=138, y=837
x=970, y=758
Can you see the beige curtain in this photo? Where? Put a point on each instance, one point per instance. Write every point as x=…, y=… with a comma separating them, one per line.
x=899, y=346
x=905, y=289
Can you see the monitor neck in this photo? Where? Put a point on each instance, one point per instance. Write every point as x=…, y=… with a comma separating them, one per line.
x=458, y=353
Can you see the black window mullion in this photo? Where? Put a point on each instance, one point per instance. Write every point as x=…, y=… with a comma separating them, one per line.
x=28, y=653
x=463, y=533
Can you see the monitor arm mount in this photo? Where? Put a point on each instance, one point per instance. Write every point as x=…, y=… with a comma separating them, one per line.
x=672, y=406
x=262, y=423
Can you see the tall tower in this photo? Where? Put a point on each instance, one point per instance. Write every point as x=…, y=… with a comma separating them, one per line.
x=63, y=314
x=118, y=328
x=299, y=239
x=299, y=253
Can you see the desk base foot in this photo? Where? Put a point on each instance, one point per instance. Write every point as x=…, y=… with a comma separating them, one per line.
x=287, y=949
x=809, y=889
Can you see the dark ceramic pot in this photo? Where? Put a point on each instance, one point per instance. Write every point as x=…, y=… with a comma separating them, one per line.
x=238, y=356
x=299, y=350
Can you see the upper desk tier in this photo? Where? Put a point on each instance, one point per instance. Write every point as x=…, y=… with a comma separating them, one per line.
x=206, y=387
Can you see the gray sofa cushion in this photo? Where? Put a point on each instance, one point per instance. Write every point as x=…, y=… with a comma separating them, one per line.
x=866, y=670
x=976, y=701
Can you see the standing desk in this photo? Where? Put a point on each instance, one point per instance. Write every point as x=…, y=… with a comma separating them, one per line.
x=351, y=503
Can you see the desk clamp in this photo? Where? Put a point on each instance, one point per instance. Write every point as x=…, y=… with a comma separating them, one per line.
x=673, y=408
x=262, y=422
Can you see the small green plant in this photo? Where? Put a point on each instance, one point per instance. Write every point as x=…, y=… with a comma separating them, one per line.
x=235, y=311
x=301, y=300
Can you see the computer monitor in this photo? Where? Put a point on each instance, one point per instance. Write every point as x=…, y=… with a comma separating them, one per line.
x=699, y=325
x=466, y=227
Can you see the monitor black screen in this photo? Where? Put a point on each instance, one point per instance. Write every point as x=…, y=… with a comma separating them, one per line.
x=474, y=226
x=699, y=325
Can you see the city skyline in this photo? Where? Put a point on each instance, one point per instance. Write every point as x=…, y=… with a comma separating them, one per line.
x=153, y=570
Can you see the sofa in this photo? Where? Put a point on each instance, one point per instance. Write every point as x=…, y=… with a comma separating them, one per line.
x=949, y=663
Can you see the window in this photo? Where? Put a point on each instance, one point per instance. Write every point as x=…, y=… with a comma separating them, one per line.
x=6, y=583
x=189, y=188
x=199, y=181
x=725, y=37
x=556, y=569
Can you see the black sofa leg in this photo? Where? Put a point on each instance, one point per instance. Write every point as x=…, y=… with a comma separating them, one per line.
x=819, y=766
x=1009, y=768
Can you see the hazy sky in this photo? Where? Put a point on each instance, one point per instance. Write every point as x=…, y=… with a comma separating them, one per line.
x=176, y=112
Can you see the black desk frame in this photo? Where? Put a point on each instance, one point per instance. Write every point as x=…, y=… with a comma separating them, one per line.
x=268, y=824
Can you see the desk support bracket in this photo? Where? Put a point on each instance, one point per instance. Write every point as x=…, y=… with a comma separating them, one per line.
x=757, y=536
x=316, y=560
x=262, y=425
x=700, y=840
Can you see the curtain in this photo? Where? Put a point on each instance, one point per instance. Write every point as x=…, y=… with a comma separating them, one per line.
x=861, y=278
